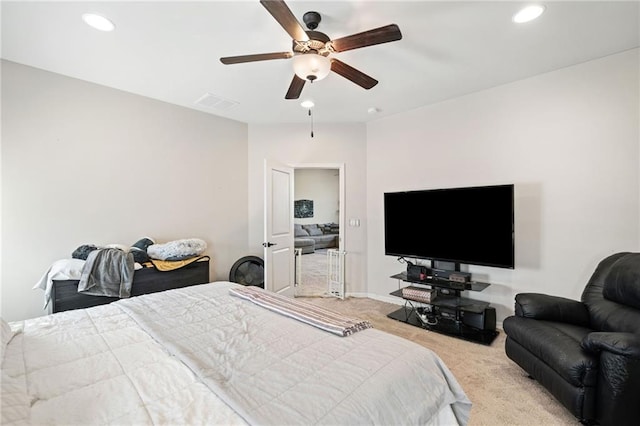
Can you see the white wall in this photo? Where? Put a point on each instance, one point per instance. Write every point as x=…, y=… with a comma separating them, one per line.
x=83, y=163
x=322, y=186
x=332, y=144
x=569, y=141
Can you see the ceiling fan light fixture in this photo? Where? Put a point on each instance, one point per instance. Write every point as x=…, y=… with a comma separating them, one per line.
x=307, y=104
x=311, y=66
x=529, y=13
x=98, y=22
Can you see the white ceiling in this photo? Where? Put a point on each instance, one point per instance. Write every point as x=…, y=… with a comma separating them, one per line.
x=170, y=50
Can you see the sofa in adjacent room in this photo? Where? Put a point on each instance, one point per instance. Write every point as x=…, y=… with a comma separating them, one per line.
x=310, y=237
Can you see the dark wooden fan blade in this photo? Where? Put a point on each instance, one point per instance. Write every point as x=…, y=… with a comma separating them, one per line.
x=367, y=38
x=350, y=73
x=295, y=88
x=258, y=57
x=281, y=12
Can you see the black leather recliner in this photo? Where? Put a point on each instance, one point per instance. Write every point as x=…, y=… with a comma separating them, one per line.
x=586, y=354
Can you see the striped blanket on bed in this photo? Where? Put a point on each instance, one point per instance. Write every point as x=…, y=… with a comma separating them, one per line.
x=305, y=312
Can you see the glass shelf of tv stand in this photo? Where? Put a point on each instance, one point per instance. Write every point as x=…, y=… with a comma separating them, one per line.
x=450, y=327
x=469, y=285
x=453, y=302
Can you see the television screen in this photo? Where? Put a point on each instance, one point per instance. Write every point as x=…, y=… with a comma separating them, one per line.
x=472, y=225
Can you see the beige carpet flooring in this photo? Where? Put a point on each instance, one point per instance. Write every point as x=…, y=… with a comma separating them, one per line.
x=500, y=391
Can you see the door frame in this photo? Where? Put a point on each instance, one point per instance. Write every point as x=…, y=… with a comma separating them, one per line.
x=342, y=191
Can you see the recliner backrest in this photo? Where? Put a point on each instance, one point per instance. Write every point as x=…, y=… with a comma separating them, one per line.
x=612, y=315
x=622, y=283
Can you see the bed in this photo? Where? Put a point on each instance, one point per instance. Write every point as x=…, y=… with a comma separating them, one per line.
x=200, y=355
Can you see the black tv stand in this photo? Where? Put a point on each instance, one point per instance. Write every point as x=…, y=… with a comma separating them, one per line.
x=446, y=312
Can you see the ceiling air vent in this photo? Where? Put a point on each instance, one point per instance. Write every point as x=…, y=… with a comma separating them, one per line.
x=212, y=101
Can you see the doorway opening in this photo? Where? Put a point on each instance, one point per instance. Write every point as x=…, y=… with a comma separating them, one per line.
x=318, y=225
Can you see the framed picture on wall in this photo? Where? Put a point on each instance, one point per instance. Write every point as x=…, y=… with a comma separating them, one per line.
x=302, y=208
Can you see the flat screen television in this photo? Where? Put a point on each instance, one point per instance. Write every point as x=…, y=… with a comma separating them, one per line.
x=473, y=225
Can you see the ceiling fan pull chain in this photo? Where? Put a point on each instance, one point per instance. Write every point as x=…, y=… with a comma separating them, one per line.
x=311, y=116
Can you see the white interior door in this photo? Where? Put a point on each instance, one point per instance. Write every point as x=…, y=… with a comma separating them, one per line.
x=279, y=254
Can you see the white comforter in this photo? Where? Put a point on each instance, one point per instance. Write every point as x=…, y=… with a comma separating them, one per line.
x=96, y=366
x=174, y=357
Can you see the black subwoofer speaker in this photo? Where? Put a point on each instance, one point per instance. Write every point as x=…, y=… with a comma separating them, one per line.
x=485, y=320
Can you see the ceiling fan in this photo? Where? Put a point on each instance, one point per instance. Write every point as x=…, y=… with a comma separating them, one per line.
x=311, y=49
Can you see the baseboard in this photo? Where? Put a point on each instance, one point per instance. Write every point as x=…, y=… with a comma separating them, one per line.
x=388, y=299
x=350, y=294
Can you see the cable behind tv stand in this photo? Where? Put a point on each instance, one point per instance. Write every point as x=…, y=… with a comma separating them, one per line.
x=446, y=311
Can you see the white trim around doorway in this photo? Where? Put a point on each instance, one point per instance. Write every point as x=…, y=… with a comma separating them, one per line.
x=335, y=166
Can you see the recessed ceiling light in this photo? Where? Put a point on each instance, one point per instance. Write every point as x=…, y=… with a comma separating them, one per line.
x=527, y=14
x=307, y=104
x=98, y=22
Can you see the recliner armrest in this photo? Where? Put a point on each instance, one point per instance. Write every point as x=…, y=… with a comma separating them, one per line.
x=552, y=308
x=618, y=376
x=625, y=344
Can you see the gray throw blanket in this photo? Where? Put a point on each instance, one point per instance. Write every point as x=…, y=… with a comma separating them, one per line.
x=316, y=316
x=107, y=272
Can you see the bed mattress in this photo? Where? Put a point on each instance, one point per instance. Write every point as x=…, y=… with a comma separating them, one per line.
x=199, y=355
